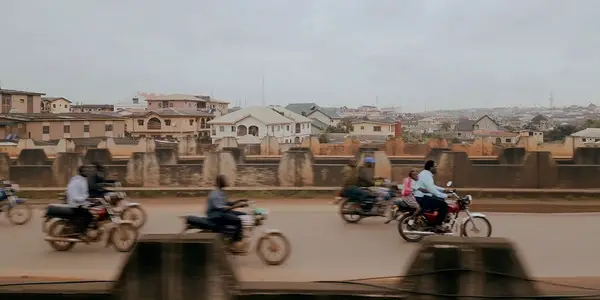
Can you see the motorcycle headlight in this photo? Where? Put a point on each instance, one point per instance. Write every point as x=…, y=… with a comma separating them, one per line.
x=469, y=198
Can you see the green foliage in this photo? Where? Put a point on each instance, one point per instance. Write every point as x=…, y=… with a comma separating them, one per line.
x=344, y=126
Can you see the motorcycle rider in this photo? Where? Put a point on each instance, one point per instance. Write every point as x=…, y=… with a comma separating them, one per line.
x=219, y=211
x=354, y=179
x=432, y=197
x=97, y=181
x=78, y=198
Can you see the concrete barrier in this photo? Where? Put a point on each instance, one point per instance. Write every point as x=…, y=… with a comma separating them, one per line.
x=486, y=267
x=298, y=167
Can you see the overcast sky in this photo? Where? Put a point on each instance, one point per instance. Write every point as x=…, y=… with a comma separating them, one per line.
x=347, y=52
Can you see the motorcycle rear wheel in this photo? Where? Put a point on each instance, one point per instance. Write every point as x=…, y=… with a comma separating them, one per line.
x=404, y=221
x=349, y=217
x=58, y=228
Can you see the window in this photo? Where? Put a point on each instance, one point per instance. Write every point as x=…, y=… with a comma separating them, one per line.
x=191, y=122
x=22, y=100
x=458, y=134
x=531, y=133
x=140, y=122
x=86, y=128
x=108, y=127
x=362, y=127
x=507, y=140
x=53, y=105
x=167, y=122
x=377, y=128
x=221, y=128
x=232, y=128
x=67, y=128
x=45, y=129
x=287, y=128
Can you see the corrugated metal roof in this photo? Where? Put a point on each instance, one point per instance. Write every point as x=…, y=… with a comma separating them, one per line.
x=588, y=132
x=267, y=115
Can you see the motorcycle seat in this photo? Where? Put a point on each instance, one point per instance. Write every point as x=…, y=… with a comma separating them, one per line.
x=199, y=222
x=60, y=210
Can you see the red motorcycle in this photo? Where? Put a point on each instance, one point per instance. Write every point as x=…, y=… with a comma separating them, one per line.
x=414, y=228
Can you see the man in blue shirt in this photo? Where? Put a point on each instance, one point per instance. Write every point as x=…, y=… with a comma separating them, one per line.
x=219, y=211
x=78, y=197
x=431, y=196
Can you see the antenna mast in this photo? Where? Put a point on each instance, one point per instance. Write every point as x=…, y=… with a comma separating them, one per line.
x=262, y=90
x=551, y=100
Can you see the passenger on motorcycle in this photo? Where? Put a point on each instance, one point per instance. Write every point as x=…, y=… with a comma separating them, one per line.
x=407, y=196
x=219, y=211
x=78, y=197
x=97, y=181
x=431, y=196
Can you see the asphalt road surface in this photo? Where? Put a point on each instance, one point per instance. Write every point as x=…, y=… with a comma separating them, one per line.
x=323, y=246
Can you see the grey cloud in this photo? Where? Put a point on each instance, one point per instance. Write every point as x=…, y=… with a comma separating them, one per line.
x=446, y=53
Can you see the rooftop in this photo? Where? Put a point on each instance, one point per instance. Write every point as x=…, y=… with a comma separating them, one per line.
x=266, y=115
x=184, y=97
x=62, y=116
x=588, y=132
x=17, y=92
x=52, y=99
x=174, y=112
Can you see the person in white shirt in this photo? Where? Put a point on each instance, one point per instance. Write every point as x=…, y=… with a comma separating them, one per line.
x=431, y=196
x=78, y=197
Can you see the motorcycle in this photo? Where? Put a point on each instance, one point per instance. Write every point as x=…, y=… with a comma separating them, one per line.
x=63, y=233
x=118, y=200
x=418, y=227
x=377, y=204
x=17, y=210
x=267, y=240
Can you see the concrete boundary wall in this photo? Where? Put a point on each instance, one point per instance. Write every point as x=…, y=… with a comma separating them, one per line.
x=298, y=167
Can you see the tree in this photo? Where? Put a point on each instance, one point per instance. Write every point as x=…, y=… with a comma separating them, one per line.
x=344, y=126
x=446, y=126
x=591, y=124
x=323, y=138
x=559, y=133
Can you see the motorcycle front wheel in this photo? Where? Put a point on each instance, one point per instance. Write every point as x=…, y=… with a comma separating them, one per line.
x=19, y=213
x=273, y=248
x=135, y=214
x=476, y=226
x=350, y=211
x=123, y=237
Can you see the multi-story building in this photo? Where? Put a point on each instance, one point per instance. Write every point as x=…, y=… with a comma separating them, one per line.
x=46, y=126
x=14, y=101
x=251, y=124
x=183, y=101
x=87, y=108
x=373, y=127
x=56, y=105
x=169, y=123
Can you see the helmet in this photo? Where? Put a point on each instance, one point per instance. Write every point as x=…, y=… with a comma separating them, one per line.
x=369, y=160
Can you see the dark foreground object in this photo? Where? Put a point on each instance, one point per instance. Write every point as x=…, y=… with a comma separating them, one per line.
x=195, y=267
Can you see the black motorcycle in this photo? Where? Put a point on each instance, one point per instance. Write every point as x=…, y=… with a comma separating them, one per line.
x=353, y=210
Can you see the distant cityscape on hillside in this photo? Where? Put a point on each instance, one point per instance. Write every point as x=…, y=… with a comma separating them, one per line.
x=173, y=117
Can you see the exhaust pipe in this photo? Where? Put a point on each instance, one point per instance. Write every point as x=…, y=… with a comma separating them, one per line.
x=410, y=232
x=59, y=239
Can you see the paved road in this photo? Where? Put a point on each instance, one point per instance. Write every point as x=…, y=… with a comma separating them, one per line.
x=324, y=247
